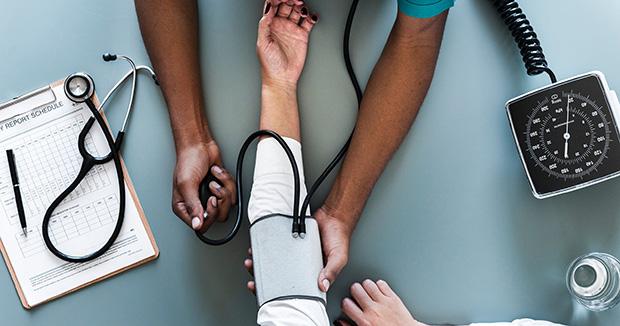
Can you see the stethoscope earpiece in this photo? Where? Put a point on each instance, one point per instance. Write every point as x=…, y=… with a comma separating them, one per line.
x=109, y=57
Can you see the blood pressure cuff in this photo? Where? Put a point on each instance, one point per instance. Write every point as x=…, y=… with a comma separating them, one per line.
x=285, y=267
x=424, y=8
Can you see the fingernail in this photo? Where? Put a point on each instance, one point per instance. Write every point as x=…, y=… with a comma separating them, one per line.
x=195, y=223
x=217, y=169
x=267, y=7
x=213, y=201
x=326, y=284
x=215, y=185
x=315, y=18
x=304, y=11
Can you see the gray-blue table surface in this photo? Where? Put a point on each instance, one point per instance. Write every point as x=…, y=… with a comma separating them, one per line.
x=452, y=224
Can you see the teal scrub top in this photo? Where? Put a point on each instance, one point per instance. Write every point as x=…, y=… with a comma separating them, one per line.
x=424, y=8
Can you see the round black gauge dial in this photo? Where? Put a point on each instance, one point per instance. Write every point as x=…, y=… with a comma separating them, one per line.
x=568, y=135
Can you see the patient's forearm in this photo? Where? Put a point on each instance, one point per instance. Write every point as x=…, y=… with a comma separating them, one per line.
x=170, y=33
x=392, y=99
x=279, y=110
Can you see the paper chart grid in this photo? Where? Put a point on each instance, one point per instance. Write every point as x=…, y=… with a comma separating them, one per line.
x=47, y=160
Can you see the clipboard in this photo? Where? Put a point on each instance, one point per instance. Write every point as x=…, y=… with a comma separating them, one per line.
x=42, y=97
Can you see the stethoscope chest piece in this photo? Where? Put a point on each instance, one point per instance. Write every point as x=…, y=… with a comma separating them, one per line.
x=79, y=87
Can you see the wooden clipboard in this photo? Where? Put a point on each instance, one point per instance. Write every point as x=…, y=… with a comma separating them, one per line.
x=133, y=194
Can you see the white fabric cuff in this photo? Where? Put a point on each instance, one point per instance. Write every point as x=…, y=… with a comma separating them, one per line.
x=271, y=158
x=273, y=189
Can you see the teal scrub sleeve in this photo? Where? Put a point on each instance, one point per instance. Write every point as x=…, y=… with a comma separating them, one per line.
x=424, y=8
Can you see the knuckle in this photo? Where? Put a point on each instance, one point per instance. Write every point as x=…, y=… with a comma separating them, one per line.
x=183, y=183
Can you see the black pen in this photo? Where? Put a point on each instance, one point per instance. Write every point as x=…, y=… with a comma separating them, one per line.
x=18, y=195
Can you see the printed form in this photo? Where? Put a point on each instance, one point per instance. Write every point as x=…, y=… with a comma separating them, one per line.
x=43, y=132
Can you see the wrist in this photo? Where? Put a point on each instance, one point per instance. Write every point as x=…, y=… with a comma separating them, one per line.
x=279, y=86
x=346, y=219
x=340, y=205
x=192, y=141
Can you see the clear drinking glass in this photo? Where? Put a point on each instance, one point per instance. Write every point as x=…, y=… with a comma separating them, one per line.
x=594, y=281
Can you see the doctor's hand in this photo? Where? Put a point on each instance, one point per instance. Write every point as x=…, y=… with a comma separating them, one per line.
x=335, y=239
x=193, y=164
x=282, y=42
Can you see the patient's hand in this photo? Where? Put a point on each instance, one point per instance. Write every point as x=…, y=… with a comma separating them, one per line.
x=375, y=303
x=283, y=41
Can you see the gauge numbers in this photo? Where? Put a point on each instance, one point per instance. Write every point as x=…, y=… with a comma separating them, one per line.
x=568, y=135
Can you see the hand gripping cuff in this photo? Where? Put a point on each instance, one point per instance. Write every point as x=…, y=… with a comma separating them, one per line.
x=286, y=267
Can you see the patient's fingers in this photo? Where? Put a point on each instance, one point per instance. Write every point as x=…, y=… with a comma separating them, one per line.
x=386, y=289
x=294, y=2
x=372, y=290
x=263, y=26
x=308, y=22
x=249, y=266
x=360, y=296
x=251, y=287
x=304, y=12
x=352, y=310
x=295, y=15
x=284, y=10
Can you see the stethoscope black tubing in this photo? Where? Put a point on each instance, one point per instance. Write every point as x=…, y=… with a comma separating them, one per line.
x=239, y=177
x=299, y=218
x=88, y=162
x=358, y=93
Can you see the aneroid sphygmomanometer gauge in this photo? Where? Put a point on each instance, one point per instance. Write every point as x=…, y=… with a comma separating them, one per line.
x=566, y=134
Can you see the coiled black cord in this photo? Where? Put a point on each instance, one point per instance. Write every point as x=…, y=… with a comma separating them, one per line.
x=299, y=217
x=525, y=37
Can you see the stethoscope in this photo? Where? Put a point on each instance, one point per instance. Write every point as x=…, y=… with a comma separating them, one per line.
x=80, y=88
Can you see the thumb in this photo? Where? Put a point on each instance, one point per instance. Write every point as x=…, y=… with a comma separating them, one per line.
x=336, y=260
x=189, y=192
x=264, y=30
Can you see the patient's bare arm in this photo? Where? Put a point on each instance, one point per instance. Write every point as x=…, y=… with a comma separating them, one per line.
x=282, y=46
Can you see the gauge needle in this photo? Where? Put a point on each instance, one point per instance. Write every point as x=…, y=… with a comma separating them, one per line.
x=563, y=123
x=566, y=134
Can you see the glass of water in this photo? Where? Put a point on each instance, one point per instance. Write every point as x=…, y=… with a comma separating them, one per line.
x=594, y=281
